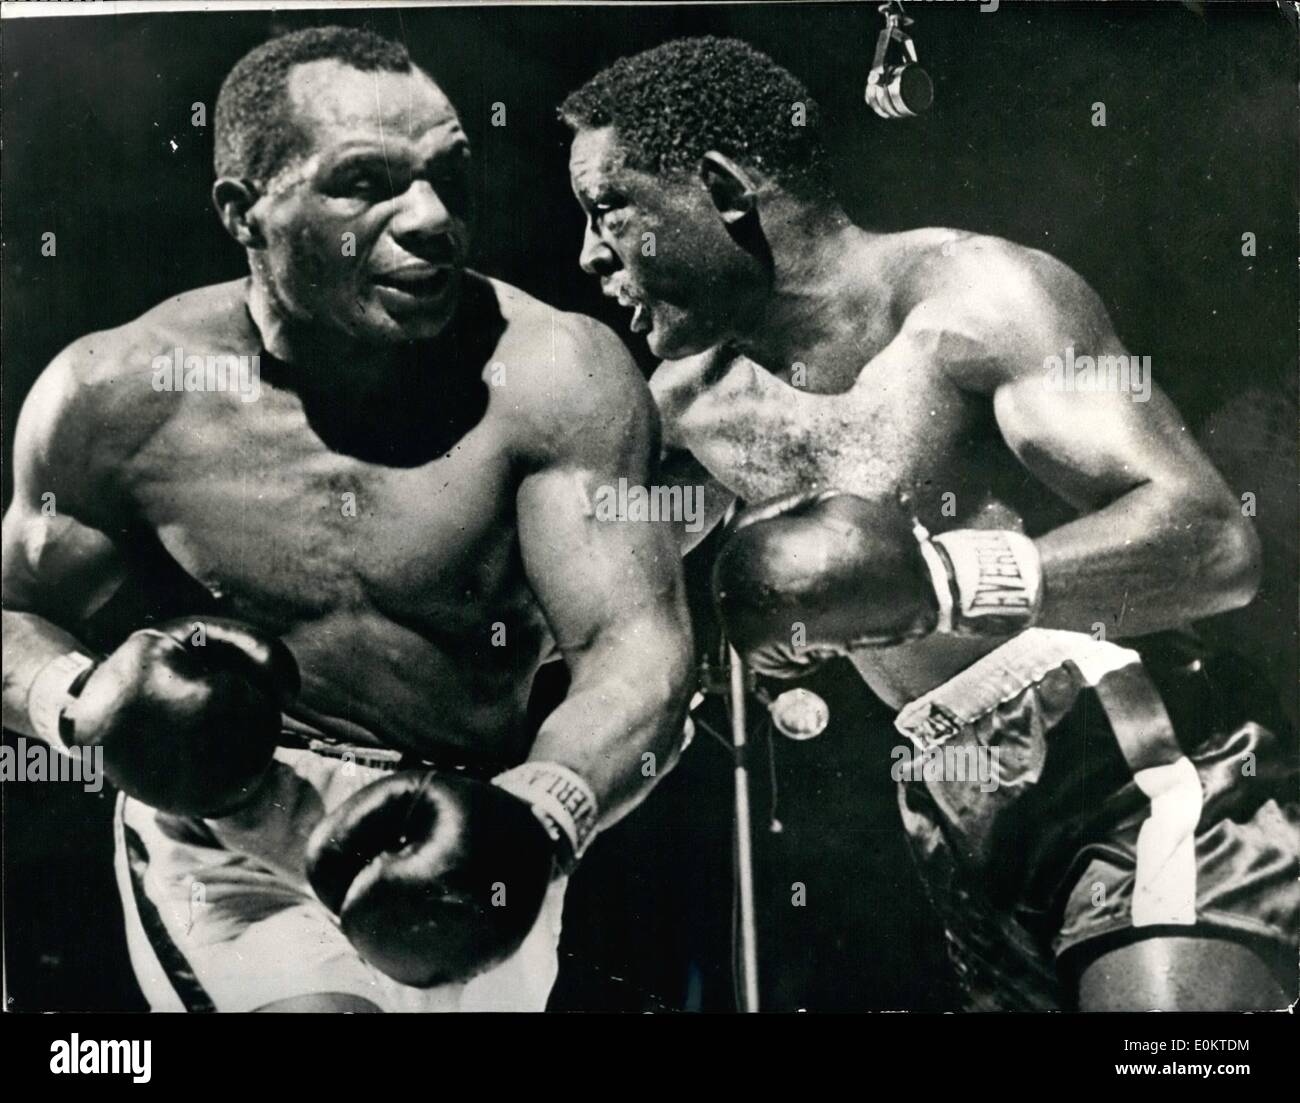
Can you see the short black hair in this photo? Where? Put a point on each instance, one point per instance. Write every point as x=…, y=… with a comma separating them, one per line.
x=672, y=104
x=253, y=132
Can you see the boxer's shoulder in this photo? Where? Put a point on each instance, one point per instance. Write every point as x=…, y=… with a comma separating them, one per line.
x=78, y=423
x=213, y=318
x=96, y=402
x=557, y=341
x=563, y=376
x=982, y=307
x=205, y=320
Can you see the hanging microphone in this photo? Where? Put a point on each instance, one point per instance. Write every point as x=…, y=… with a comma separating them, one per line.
x=900, y=89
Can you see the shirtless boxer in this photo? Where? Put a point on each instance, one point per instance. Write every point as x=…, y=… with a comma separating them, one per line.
x=399, y=517
x=1124, y=859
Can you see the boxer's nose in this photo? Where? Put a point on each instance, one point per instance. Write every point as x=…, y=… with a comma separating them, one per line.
x=596, y=258
x=422, y=217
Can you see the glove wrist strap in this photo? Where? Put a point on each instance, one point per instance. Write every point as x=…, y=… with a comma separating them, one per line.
x=561, y=800
x=991, y=582
x=55, y=684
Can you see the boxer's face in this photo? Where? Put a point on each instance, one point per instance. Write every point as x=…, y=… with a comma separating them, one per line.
x=660, y=248
x=366, y=233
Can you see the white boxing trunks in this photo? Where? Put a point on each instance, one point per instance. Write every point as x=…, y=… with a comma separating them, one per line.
x=219, y=915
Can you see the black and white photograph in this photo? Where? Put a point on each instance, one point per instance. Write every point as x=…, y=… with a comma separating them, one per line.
x=651, y=508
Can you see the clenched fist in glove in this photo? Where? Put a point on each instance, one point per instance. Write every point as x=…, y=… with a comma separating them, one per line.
x=436, y=877
x=186, y=713
x=827, y=572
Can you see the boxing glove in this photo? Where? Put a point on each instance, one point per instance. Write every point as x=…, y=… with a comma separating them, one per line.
x=435, y=877
x=186, y=713
x=823, y=572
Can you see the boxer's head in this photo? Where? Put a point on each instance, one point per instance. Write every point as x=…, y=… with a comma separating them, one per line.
x=343, y=171
x=688, y=159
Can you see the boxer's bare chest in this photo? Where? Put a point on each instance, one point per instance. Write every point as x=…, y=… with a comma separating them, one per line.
x=285, y=529
x=889, y=433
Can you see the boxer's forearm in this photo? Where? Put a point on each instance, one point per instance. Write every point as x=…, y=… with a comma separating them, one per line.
x=1152, y=560
x=620, y=726
x=30, y=643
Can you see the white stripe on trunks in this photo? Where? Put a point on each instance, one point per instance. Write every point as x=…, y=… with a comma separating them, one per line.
x=1164, y=890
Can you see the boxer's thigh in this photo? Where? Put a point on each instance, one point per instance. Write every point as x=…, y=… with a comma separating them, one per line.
x=210, y=929
x=1180, y=973
x=1231, y=915
x=218, y=913
x=300, y=788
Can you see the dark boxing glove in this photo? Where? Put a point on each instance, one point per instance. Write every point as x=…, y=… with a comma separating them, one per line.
x=186, y=713
x=436, y=877
x=824, y=572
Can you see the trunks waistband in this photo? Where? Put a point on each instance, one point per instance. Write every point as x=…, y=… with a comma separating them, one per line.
x=388, y=759
x=1164, y=889
x=1003, y=674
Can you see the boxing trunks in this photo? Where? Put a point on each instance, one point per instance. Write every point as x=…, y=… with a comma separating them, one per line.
x=219, y=915
x=1070, y=795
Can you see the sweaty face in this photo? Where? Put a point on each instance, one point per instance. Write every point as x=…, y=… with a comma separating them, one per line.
x=657, y=245
x=367, y=232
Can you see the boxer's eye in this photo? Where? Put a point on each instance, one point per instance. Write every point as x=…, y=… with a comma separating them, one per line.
x=363, y=185
x=601, y=213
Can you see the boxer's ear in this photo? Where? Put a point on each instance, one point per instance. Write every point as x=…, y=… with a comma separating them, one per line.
x=733, y=190
x=234, y=199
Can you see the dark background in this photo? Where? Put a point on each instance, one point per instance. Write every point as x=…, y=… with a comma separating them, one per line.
x=1199, y=148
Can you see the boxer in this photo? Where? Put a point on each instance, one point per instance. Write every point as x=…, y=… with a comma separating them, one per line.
x=973, y=535
x=332, y=797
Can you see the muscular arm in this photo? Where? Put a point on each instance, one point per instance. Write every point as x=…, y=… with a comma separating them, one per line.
x=1160, y=540
x=611, y=589
x=57, y=567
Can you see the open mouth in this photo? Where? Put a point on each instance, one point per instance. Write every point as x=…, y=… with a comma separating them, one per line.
x=416, y=284
x=641, y=321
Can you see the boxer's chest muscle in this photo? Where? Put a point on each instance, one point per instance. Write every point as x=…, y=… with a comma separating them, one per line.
x=761, y=437
x=255, y=507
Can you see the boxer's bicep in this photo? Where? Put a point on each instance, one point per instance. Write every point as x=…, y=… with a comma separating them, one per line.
x=590, y=565
x=605, y=566
x=1080, y=413
x=55, y=562
x=1092, y=447
x=1159, y=540
x=590, y=548
x=54, y=568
